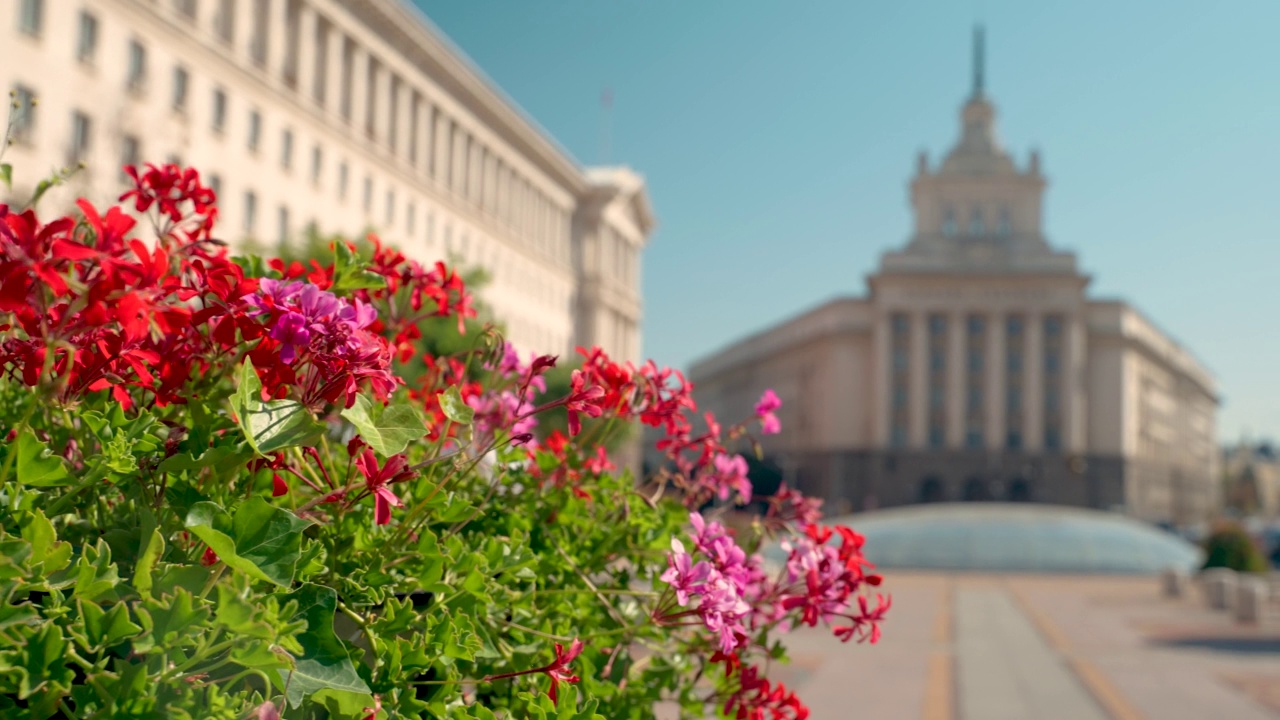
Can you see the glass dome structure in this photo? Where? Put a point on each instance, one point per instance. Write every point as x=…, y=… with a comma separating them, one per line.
x=1017, y=537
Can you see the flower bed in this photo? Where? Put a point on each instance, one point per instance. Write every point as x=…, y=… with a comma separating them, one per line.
x=212, y=462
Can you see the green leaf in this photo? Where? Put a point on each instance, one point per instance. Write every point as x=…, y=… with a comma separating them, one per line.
x=455, y=408
x=262, y=541
x=273, y=425
x=45, y=546
x=388, y=430
x=37, y=466
x=351, y=273
x=169, y=620
x=96, y=575
x=219, y=455
x=6, y=175
x=325, y=663
x=43, y=662
x=151, y=552
x=106, y=629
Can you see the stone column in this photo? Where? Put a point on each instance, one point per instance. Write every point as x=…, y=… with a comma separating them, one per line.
x=881, y=368
x=1074, y=398
x=918, y=381
x=277, y=38
x=245, y=28
x=360, y=108
x=995, y=381
x=1033, y=384
x=382, y=105
x=957, y=400
x=333, y=70
x=307, y=51
x=404, y=123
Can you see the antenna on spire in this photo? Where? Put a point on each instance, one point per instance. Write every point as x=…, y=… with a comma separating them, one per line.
x=979, y=62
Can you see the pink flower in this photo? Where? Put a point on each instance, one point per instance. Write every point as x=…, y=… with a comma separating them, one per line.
x=769, y=423
x=683, y=575
x=731, y=475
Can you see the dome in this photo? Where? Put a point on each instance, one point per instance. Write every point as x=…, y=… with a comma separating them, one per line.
x=1002, y=537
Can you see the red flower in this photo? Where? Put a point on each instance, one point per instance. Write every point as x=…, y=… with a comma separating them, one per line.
x=558, y=670
x=582, y=399
x=376, y=481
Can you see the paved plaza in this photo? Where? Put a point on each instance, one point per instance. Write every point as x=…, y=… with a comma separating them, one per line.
x=1021, y=647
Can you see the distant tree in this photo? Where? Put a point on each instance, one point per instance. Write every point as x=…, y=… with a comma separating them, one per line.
x=1229, y=546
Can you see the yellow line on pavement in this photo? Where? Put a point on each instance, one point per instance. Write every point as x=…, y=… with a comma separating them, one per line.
x=939, y=683
x=1095, y=681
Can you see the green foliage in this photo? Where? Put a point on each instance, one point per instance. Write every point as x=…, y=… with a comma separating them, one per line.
x=1231, y=547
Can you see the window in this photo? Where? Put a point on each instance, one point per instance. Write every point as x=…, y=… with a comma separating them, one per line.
x=937, y=437
x=973, y=440
x=258, y=43
x=976, y=325
x=391, y=207
x=317, y=162
x=87, y=42
x=975, y=398
x=137, y=79
x=976, y=224
x=975, y=360
x=215, y=184
x=1052, y=326
x=899, y=437
x=410, y=212
x=1014, y=326
x=286, y=149
x=368, y=194
x=1052, y=439
x=250, y=212
x=225, y=22
x=1005, y=225
x=1051, y=363
x=937, y=360
x=1015, y=360
x=180, y=88
x=130, y=152
x=899, y=360
x=24, y=114
x=219, y=109
x=900, y=396
x=1014, y=440
x=282, y=221
x=949, y=222
x=185, y=8
x=31, y=16
x=255, y=130
x=80, y=128
x=342, y=181
x=1014, y=398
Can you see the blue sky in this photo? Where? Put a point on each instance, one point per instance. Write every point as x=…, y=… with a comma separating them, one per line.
x=777, y=139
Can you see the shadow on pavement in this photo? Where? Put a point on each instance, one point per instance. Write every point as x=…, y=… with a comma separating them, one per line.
x=1234, y=646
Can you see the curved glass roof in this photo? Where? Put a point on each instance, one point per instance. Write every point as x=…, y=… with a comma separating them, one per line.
x=1003, y=537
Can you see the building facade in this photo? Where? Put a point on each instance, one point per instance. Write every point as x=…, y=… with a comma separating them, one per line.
x=342, y=115
x=977, y=368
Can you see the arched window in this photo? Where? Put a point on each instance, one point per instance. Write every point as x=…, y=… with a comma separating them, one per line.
x=1005, y=225
x=976, y=224
x=975, y=490
x=931, y=490
x=1019, y=491
x=949, y=222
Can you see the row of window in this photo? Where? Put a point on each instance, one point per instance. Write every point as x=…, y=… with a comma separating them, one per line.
x=461, y=162
x=977, y=225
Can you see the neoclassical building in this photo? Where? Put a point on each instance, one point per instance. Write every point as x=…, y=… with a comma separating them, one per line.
x=345, y=115
x=977, y=367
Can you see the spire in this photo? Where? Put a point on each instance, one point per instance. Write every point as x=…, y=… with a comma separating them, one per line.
x=978, y=61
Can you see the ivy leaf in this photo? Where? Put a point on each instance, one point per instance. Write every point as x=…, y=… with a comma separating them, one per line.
x=324, y=663
x=351, y=273
x=96, y=575
x=275, y=424
x=388, y=430
x=218, y=455
x=105, y=629
x=262, y=541
x=37, y=466
x=455, y=408
x=46, y=548
x=6, y=175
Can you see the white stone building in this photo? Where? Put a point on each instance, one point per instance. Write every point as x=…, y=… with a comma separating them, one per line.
x=978, y=368
x=347, y=114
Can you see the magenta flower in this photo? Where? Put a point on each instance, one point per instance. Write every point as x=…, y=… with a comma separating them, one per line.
x=291, y=331
x=765, y=409
x=377, y=479
x=731, y=475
